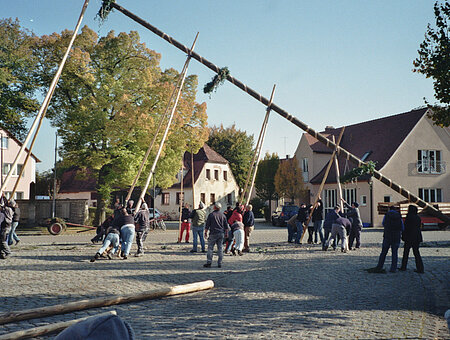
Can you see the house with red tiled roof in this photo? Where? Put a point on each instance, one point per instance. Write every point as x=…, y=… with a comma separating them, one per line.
x=77, y=184
x=9, y=148
x=213, y=182
x=407, y=148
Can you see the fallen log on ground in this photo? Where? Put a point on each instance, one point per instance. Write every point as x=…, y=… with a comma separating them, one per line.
x=51, y=328
x=103, y=302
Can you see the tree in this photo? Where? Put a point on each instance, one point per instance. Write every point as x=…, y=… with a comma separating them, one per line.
x=110, y=98
x=434, y=62
x=236, y=147
x=289, y=179
x=265, y=178
x=17, y=85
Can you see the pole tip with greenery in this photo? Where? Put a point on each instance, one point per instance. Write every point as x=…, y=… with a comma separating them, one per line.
x=217, y=80
x=105, y=9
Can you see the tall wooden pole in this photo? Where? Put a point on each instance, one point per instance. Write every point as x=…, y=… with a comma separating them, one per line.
x=336, y=165
x=257, y=156
x=46, y=99
x=324, y=179
x=340, y=151
x=166, y=132
x=193, y=177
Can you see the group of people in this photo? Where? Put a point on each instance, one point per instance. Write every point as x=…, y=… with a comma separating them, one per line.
x=336, y=226
x=120, y=229
x=230, y=230
x=9, y=220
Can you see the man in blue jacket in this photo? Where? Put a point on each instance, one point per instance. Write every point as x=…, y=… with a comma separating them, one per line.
x=330, y=218
x=393, y=227
x=217, y=226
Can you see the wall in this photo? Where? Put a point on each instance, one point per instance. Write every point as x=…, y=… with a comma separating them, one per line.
x=35, y=212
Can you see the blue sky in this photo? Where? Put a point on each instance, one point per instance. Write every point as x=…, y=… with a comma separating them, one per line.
x=334, y=62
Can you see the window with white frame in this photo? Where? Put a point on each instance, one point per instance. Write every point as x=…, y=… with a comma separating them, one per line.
x=430, y=194
x=363, y=200
x=349, y=195
x=7, y=168
x=4, y=142
x=429, y=162
x=330, y=199
x=305, y=170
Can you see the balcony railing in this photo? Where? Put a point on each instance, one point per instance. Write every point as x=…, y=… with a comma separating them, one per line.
x=431, y=167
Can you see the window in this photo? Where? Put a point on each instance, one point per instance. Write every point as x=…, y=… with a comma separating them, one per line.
x=4, y=143
x=225, y=175
x=179, y=198
x=387, y=199
x=19, y=195
x=430, y=194
x=230, y=199
x=203, y=197
x=429, y=162
x=212, y=198
x=216, y=175
x=165, y=198
x=366, y=154
x=330, y=199
x=349, y=195
x=7, y=168
x=208, y=174
x=363, y=200
x=305, y=170
x=305, y=164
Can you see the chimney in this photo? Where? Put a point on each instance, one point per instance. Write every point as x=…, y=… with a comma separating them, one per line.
x=329, y=128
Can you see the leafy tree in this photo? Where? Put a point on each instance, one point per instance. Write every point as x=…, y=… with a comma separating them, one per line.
x=434, y=62
x=265, y=178
x=17, y=85
x=289, y=179
x=236, y=147
x=110, y=98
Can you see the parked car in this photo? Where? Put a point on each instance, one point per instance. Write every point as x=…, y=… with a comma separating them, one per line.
x=287, y=211
x=157, y=213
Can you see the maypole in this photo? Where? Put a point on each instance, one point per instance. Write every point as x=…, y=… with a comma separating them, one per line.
x=257, y=155
x=340, y=151
x=166, y=132
x=47, y=98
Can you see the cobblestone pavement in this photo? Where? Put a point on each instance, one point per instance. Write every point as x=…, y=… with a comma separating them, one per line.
x=277, y=291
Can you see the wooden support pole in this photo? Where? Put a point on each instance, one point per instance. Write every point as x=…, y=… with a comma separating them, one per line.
x=324, y=179
x=166, y=131
x=257, y=154
x=340, y=151
x=51, y=328
x=41, y=312
x=336, y=165
x=47, y=98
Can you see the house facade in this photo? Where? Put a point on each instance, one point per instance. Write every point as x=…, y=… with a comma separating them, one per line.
x=9, y=148
x=407, y=148
x=213, y=182
x=76, y=184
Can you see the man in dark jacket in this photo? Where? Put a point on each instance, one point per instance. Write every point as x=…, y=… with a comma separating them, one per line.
x=393, y=226
x=249, y=226
x=331, y=217
x=339, y=228
x=15, y=222
x=216, y=225
x=142, y=220
x=302, y=216
x=6, y=217
x=412, y=236
x=355, y=230
x=317, y=218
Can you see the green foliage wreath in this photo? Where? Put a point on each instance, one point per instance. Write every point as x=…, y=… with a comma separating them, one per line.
x=105, y=9
x=365, y=169
x=218, y=79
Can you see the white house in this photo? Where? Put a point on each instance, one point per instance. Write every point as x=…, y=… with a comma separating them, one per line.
x=408, y=148
x=9, y=148
x=213, y=182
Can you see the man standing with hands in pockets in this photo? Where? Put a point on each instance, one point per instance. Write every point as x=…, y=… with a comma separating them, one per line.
x=217, y=226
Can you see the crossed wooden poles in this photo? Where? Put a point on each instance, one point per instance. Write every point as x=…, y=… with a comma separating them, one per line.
x=330, y=144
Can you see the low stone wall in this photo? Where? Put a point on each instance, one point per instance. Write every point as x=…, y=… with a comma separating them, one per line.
x=71, y=210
